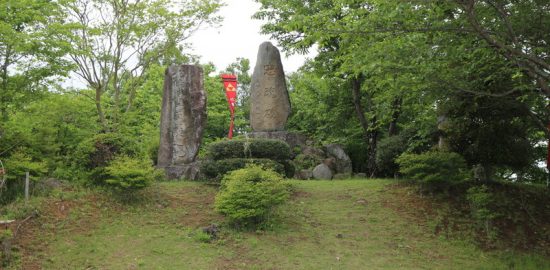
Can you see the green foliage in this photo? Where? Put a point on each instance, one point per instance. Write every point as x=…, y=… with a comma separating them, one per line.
x=249, y=148
x=32, y=52
x=389, y=149
x=248, y=195
x=201, y=237
x=152, y=32
x=19, y=163
x=434, y=170
x=481, y=201
x=129, y=174
x=16, y=167
x=99, y=150
x=216, y=169
x=303, y=161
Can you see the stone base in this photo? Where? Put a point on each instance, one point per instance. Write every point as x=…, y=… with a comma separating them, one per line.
x=189, y=171
x=292, y=139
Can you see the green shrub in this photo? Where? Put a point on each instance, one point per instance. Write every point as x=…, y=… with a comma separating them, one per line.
x=434, y=170
x=248, y=195
x=16, y=167
x=129, y=174
x=250, y=148
x=481, y=201
x=216, y=169
x=99, y=150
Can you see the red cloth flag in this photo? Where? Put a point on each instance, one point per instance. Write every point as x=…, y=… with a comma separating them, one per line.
x=230, y=86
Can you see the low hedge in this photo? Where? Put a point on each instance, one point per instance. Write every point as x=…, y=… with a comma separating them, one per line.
x=250, y=148
x=216, y=169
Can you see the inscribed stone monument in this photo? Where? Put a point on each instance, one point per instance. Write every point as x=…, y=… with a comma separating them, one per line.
x=183, y=119
x=269, y=104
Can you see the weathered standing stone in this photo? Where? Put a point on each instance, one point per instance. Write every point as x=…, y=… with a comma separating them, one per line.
x=322, y=171
x=342, y=160
x=183, y=119
x=269, y=104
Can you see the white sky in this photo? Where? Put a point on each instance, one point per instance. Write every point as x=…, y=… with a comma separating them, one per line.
x=238, y=36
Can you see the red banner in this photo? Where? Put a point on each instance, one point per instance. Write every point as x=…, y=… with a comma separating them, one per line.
x=230, y=86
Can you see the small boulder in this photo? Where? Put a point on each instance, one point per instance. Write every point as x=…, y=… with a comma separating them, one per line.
x=322, y=172
x=360, y=175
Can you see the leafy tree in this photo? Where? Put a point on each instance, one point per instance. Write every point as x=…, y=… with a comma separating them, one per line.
x=118, y=40
x=31, y=50
x=402, y=61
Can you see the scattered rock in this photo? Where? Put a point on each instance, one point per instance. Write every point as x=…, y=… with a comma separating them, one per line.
x=211, y=230
x=323, y=172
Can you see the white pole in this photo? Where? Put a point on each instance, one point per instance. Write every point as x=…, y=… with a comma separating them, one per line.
x=26, y=186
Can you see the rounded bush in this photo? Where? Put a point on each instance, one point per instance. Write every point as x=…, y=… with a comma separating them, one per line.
x=216, y=169
x=250, y=148
x=99, y=150
x=248, y=195
x=434, y=170
x=129, y=174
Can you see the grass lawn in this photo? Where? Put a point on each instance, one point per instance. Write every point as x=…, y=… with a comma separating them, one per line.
x=351, y=224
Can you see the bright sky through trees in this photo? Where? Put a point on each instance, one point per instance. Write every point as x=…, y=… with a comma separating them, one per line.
x=238, y=36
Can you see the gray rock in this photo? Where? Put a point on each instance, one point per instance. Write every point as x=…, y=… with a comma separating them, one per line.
x=343, y=162
x=360, y=175
x=322, y=172
x=304, y=174
x=183, y=119
x=269, y=100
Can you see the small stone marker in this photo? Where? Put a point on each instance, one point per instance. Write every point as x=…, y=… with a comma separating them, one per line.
x=183, y=119
x=270, y=103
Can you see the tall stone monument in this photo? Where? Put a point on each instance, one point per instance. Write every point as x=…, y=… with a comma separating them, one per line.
x=182, y=121
x=270, y=104
x=269, y=100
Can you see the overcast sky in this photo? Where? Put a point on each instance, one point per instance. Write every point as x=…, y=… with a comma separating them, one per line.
x=238, y=36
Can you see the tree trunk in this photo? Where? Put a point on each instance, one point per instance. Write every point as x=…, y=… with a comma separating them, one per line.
x=100, y=114
x=370, y=136
x=396, y=112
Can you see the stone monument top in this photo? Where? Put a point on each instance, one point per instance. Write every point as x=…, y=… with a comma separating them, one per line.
x=269, y=100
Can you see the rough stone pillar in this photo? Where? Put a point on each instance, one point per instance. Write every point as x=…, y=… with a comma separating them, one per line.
x=269, y=103
x=182, y=121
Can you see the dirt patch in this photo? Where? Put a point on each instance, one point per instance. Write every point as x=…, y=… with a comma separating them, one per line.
x=301, y=194
x=33, y=236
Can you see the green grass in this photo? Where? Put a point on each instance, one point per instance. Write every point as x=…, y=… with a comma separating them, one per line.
x=351, y=224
